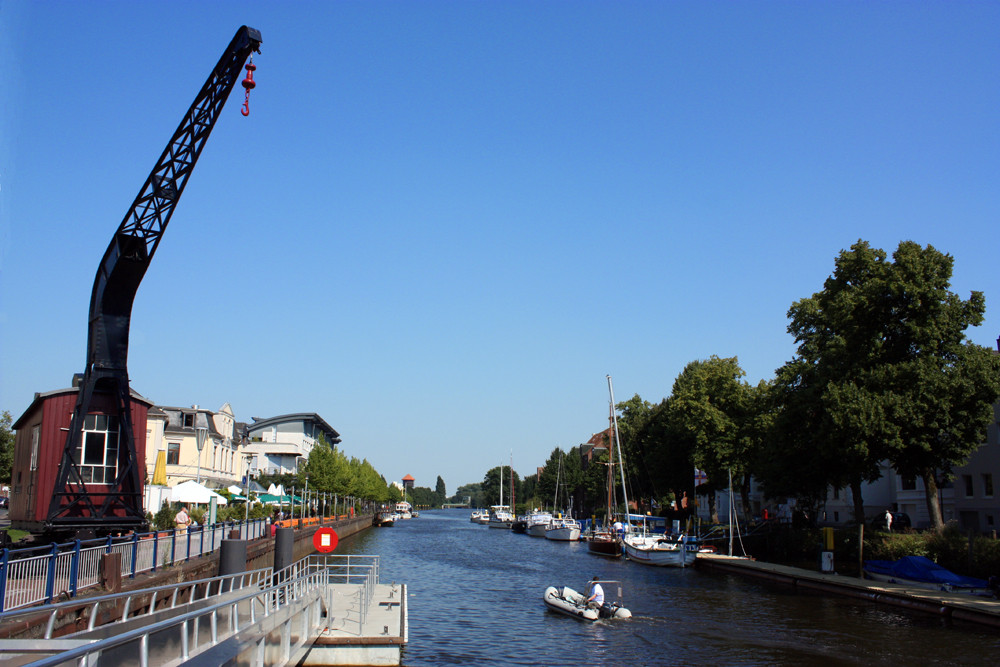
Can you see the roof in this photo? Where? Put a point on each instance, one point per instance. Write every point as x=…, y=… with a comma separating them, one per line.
x=42, y=395
x=408, y=478
x=328, y=430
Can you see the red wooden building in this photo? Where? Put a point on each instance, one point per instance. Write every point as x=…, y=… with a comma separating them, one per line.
x=38, y=449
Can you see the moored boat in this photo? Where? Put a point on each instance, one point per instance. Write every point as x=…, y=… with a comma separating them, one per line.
x=661, y=550
x=605, y=543
x=537, y=523
x=924, y=573
x=563, y=529
x=500, y=517
x=565, y=600
x=384, y=519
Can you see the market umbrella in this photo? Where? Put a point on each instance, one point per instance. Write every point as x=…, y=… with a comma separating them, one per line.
x=193, y=492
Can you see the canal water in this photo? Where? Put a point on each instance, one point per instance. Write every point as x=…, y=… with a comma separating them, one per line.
x=475, y=598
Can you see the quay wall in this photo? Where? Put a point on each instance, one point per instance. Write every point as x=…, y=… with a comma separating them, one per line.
x=260, y=555
x=950, y=605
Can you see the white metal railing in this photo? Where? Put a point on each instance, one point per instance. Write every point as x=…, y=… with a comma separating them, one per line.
x=286, y=606
x=40, y=574
x=129, y=605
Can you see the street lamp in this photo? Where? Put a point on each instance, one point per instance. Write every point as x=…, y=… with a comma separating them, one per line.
x=200, y=435
x=246, y=492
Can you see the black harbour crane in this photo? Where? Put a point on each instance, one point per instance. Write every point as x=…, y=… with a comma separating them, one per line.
x=82, y=504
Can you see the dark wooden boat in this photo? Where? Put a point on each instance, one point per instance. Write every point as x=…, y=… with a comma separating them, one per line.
x=605, y=544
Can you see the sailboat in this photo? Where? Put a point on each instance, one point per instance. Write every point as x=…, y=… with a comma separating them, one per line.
x=562, y=528
x=500, y=515
x=644, y=547
x=607, y=541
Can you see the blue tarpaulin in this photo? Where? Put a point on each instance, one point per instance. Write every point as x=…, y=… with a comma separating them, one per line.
x=923, y=570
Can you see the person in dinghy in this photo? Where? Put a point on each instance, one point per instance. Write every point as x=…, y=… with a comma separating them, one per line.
x=596, y=599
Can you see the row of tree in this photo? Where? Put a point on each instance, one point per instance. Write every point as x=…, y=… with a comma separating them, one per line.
x=883, y=373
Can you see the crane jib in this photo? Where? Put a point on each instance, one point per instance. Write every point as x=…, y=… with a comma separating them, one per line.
x=117, y=504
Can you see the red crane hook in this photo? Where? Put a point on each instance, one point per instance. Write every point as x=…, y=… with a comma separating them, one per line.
x=249, y=84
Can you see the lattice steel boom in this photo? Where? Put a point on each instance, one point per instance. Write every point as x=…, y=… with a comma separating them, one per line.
x=74, y=505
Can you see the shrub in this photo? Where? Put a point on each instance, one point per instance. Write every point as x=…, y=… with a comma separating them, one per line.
x=164, y=519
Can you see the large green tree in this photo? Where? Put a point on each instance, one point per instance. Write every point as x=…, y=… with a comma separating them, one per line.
x=705, y=415
x=884, y=370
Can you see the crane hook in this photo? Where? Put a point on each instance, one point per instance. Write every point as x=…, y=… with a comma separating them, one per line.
x=249, y=84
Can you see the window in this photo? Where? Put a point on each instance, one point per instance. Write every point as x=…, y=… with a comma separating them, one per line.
x=988, y=484
x=173, y=453
x=967, y=480
x=34, y=447
x=189, y=421
x=908, y=483
x=836, y=493
x=98, y=453
x=989, y=520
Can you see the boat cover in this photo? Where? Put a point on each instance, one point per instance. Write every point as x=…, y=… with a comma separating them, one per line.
x=918, y=568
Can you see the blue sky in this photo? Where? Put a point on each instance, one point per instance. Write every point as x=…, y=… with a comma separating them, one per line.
x=444, y=223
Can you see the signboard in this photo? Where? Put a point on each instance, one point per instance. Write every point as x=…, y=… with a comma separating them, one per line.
x=325, y=540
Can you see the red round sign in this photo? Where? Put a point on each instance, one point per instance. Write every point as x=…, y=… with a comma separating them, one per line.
x=325, y=540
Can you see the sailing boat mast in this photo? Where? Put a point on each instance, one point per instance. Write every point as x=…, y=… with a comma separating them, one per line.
x=618, y=444
x=513, y=506
x=555, y=496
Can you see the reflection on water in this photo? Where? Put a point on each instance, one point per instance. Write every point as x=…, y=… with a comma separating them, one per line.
x=475, y=597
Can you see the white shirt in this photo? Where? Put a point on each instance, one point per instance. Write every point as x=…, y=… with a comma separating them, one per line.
x=597, y=593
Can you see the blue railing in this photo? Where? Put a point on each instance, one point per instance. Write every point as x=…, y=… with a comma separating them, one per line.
x=41, y=574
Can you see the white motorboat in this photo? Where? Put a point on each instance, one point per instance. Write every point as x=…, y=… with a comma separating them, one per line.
x=563, y=529
x=567, y=601
x=403, y=509
x=537, y=523
x=477, y=515
x=661, y=550
x=500, y=517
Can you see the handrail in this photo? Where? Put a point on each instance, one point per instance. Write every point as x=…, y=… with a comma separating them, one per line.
x=299, y=585
x=40, y=574
x=258, y=578
x=269, y=600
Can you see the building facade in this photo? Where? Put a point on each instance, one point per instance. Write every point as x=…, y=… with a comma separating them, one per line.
x=173, y=434
x=279, y=445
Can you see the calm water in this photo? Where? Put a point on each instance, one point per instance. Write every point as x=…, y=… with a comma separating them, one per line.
x=475, y=598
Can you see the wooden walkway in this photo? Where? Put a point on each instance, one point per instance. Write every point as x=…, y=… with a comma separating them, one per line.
x=957, y=606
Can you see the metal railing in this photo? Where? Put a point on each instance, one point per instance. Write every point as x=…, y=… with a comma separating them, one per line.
x=41, y=574
x=124, y=606
x=285, y=609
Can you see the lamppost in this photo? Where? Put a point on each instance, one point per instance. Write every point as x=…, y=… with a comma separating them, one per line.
x=305, y=494
x=200, y=434
x=246, y=492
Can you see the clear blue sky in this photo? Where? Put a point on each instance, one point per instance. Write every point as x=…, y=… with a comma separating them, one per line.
x=443, y=223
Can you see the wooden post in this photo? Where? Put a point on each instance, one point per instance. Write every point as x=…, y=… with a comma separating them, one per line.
x=861, y=551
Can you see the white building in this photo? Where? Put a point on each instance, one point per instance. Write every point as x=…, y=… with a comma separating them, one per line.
x=278, y=445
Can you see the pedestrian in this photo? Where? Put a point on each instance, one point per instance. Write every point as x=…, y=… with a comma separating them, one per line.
x=182, y=520
x=888, y=521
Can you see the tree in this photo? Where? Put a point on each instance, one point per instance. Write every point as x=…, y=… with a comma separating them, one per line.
x=491, y=485
x=884, y=370
x=439, y=490
x=6, y=447
x=705, y=414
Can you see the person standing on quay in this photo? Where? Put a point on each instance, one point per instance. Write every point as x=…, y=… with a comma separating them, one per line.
x=888, y=521
x=182, y=520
